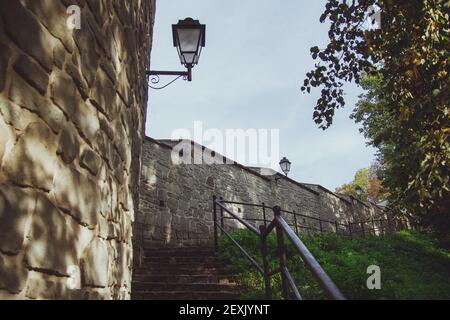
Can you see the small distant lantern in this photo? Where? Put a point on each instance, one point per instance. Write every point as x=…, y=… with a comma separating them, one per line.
x=285, y=165
x=189, y=39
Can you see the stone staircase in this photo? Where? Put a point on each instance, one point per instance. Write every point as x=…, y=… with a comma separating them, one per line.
x=182, y=274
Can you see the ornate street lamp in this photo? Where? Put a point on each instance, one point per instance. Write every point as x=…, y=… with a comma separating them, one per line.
x=285, y=165
x=189, y=39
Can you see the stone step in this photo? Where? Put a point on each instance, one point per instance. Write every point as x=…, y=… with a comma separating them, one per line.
x=182, y=266
x=185, y=295
x=177, y=271
x=179, y=253
x=212, y=278
x=182, y=273
x=181, y=259
x=190, y=287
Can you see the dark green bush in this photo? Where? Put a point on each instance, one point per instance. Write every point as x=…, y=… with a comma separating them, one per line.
x=412, y=266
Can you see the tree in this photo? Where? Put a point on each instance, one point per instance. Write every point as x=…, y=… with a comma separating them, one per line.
x=405, y=66
x=367, y=180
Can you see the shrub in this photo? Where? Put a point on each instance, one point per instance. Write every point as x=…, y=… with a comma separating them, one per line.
x=412, y=266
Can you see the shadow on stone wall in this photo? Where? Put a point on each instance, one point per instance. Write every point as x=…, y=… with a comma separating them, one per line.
x=72, y=111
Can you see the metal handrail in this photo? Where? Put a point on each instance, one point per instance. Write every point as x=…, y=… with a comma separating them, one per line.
x=321, y=276
x=247, y=255
x=281, y=227
x=291, y=283
x=347, y=226
x=245, y=223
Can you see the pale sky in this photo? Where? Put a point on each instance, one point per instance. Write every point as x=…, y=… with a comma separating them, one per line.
x=249, y=76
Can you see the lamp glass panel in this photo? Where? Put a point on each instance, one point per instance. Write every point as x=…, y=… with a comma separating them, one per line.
x=189, y=58
x=188, y=39
x=283, y=166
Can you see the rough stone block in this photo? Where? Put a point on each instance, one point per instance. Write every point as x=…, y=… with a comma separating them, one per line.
x=86, y=120
x=99, y=9
x=122, y=267
x=65, y=94
x=81, y=84
x=103, y=94
x=90, y=161
x=32, y=73
x=16, y=208
x=113, y=231
x=59, y=56
x=7, y=138
x=13, y=274
x=108, y=68
x=106, y=203
x=4, y=58
x=77, y=194
x=15, y=116
x=26, y=32
x=40, y=289
x=56, y=240
x=124, y=197
x=103, y=228
x=95, y=264
x=53, y=15
x=50, y=288
x=34, y=102
x=69, y=146
x=99, y=35
x=88, y=53
x=32, y=161
x=105, y=126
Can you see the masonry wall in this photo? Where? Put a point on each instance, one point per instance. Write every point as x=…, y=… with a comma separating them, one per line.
x=175, y=207
x=72, y=114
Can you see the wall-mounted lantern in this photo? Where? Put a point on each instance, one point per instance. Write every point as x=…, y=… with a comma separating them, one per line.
x=189, y=39
x=285, y=165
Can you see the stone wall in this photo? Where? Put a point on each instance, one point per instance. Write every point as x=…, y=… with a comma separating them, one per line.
x=175, y=207
x=72, y=114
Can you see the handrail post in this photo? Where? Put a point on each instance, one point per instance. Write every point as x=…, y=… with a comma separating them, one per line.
x=295, y=222
x=373, y=227
x=281, y=253
x=264, y=214
x=337, y=227
x=268, y=289
x=222, y=223
x=320, y=226
x=350, y=230
x=216, y=240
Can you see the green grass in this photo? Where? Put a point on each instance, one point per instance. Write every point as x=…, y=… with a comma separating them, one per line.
x=412, y=266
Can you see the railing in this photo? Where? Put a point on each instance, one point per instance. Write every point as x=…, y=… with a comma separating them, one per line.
x=304, y=224
x=291, y=229
x=282, y=229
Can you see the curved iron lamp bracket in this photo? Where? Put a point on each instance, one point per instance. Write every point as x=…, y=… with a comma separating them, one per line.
x=154, y=77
